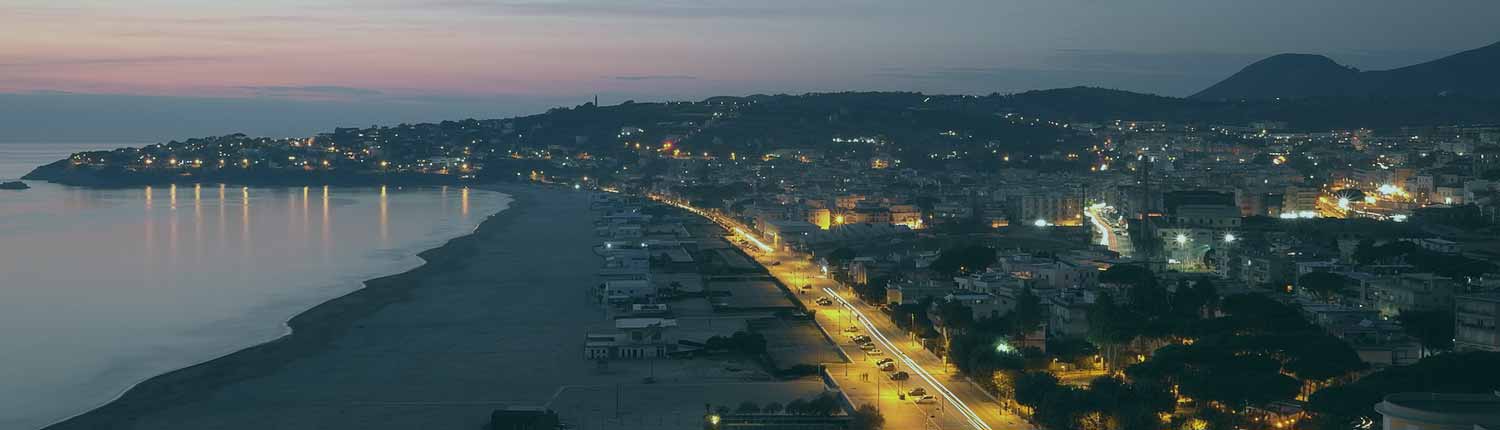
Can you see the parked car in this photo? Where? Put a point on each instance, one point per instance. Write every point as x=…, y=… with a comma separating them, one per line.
x=900, y=376
x=851, y=329
x=925, y=400
x=861, y=339
x=919, y=391
x=884, y=361
x=873, y=351
x=888, y=366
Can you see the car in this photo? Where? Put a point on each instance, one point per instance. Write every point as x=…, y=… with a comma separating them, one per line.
x=924, y=400
x=873, y=351
x=867, y=346
x=851, y=329
x=861, y=339
x=900, y=376
x=887, y=366
x=775, y=263
x=884, y=361
x=919, y=391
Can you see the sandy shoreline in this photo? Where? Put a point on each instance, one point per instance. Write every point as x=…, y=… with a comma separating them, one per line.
x=492, y=319
x=312, y=331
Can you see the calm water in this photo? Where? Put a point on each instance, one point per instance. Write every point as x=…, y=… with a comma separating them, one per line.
x=101, y=289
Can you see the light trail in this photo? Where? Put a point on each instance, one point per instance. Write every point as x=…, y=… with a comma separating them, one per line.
x=1105, y=232
x=953, y=399
x=739, y=231
x=763, y=247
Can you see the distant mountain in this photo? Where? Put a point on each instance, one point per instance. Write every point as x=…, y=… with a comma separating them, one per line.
x=1474, y=73
x=1088, y=104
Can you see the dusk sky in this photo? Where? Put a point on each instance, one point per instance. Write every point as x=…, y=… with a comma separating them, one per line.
x=161, y=69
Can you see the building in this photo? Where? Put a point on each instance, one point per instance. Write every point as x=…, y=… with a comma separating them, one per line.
x=1412, y=291
x=1044, y=273
x=1051, y=208
x=523, y=418
x=1439, y=411
x=788, y=233
x=983, y=305
x=625, y=290
x=1474, y=318
x=1069, y=316
x=633, y=338
x=1299, y=200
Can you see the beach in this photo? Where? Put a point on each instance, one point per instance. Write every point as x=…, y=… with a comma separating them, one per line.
x=493, y=319
x=397, y=352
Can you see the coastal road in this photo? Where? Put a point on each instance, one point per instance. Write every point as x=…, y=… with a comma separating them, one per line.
x=960, y=403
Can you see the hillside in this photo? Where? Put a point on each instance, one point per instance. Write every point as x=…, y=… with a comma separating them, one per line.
x=1290, y=76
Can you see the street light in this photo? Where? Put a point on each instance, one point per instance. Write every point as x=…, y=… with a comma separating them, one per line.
x=1004, y=348
x=1229, y=237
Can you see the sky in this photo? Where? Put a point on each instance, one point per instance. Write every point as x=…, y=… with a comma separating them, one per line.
x=150, y=70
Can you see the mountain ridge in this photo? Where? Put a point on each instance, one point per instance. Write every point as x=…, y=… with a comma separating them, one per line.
x=1284, y=76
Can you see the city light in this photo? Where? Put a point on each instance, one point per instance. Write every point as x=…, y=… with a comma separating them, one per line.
x=1181, y=239
x=1229, y=238
x=1004, y=348
x=1344, y=203
x=1040, y=223
x=921, y=372
x=758, y=244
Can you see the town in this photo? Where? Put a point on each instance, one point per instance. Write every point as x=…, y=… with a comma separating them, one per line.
x=982, y=264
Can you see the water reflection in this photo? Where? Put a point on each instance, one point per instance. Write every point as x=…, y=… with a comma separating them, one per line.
x=385, y=218
x=90, y=266
x=324, y=242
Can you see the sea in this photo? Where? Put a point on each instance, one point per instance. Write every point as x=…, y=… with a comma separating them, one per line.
x=103, y=289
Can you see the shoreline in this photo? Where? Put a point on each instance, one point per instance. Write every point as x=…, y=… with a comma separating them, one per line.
x=307, y=332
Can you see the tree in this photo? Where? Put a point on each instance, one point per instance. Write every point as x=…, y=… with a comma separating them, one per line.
x=823, y=405
x=866, y=417
x=1029, y=313
x=1316, y=356
x=1459, y=372
x=955, y=314
x=771, y=408
x=1240, y=381
x=963, y=259
x=840, y=256
x=1325, y=285
x=1033, y=387
x=1434, y=329
x=1128, y=274
x=1111, y=326
x=747, y=407
x=1150, y=299
x=796, y=407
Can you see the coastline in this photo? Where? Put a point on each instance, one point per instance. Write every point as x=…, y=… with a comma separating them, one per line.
x=308, y=332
